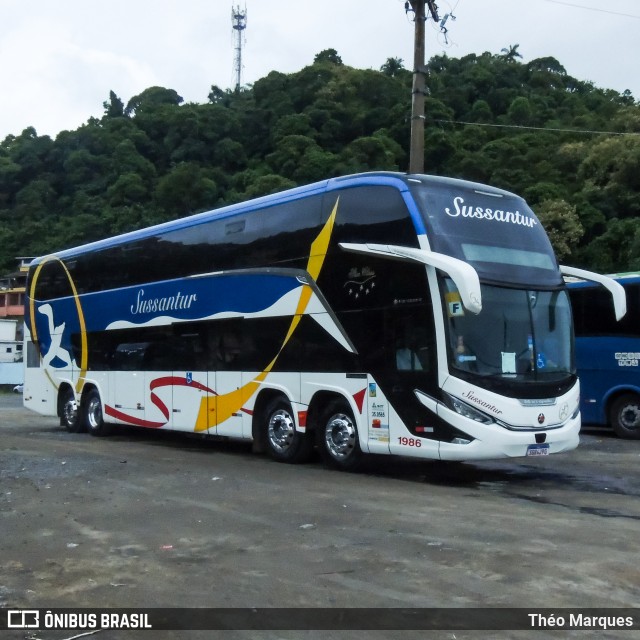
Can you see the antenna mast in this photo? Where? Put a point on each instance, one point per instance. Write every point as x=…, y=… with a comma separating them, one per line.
x=239, y=23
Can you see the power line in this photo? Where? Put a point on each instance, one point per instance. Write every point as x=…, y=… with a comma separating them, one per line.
x=518, y=126
x=580, y=6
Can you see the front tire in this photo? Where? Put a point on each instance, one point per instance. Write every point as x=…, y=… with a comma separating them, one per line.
x=281, y=439
x=625, y=416
x=92, y=414
x=338, y=440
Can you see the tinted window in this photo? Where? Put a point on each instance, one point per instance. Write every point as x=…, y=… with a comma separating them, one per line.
x=351, y=281
x=371, y=214
x=277, y=235
x=594, y=315
x=227, y=345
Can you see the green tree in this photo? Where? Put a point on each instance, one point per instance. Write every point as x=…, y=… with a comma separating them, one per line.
x=151, y=98
x=617, y=249
x=300, y=159
x=511, y=52
x=378, y=151
x=562, y=224
x=520, y=112
x=129, y=188
x=265, y=185
x=328, y=55
x=393, y=67
x=9, y=183
x=481, y=112
x=610, y=172
x=158, y=158
x=185, y=189
x=114, y=107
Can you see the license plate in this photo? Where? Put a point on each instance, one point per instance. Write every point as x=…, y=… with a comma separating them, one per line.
x=538, y=450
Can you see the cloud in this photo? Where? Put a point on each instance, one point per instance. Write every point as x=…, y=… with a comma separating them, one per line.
x=60, y=60
x=54, y=81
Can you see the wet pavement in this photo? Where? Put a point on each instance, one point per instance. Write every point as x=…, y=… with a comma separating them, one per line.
x=151, y=519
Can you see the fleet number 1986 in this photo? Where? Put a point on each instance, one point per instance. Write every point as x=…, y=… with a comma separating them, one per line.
x=410, y=442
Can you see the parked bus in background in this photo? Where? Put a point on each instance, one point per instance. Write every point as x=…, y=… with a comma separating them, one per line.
x=378, y=313
x=608, y=355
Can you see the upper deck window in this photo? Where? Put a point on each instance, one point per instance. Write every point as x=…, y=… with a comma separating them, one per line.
x=494, y=231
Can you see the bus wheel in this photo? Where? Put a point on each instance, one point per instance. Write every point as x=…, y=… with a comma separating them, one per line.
x=69, y=414
x=338, y=437
x=92, y=413
x=625, y=416
x=283, y=442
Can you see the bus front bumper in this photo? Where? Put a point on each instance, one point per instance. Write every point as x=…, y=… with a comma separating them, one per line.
x=494, y=441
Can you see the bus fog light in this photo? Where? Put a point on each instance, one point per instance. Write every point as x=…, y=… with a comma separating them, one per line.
x=460, y=441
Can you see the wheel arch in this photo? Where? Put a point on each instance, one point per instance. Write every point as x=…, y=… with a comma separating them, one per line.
x=87, y=388
x=321, y=399
x=62, y=390
x=264, y=398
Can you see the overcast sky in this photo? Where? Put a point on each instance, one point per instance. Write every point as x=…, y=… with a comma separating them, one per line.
x=59, y=59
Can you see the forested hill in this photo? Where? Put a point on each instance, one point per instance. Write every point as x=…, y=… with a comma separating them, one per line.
x=529, y=128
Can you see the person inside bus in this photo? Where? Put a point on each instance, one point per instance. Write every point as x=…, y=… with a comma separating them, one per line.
x=406, y=357
x=464, y=358
x=229, y=349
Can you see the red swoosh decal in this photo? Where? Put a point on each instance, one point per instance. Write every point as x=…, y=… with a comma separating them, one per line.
x=167, y=381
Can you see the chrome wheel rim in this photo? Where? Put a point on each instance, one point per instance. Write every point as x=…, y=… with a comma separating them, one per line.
x=94, y=413
x=281, y=431
x=340, y=436
x=70, y=411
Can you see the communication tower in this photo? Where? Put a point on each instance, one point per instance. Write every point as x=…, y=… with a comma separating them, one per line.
x=239, y=23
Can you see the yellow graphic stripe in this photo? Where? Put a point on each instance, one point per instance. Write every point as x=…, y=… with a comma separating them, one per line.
x=83, y=327
x=230, y=403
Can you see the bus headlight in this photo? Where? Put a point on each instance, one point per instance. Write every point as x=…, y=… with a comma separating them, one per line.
x=467, y=410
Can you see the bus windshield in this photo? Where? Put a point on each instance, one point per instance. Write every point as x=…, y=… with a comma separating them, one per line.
x=520, y=335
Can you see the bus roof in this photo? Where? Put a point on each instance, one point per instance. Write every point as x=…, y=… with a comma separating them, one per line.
x=623, y=278
x=401, y=181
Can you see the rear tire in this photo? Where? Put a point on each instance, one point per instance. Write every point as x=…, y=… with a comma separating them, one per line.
x=338, y=440
x=625, y=416
x=70, y=417
x=92, y=414
x=281, y=439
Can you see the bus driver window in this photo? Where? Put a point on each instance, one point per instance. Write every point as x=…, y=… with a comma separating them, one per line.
x=412, y=349
x=406, y=357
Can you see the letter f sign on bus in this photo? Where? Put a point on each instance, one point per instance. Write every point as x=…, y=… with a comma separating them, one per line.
x=454, y=304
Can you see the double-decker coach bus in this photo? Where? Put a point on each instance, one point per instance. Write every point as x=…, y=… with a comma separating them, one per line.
x=377, y=313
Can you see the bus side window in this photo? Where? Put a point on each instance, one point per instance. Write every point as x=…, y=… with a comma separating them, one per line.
x=235, y=350
x=129, y=356
x=228, y=350
x=413, y=350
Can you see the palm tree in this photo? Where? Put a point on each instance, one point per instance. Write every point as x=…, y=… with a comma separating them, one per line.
x=392, y=67
x=511, y=53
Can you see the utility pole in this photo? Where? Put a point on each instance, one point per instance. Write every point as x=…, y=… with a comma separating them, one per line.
x=416, y=151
